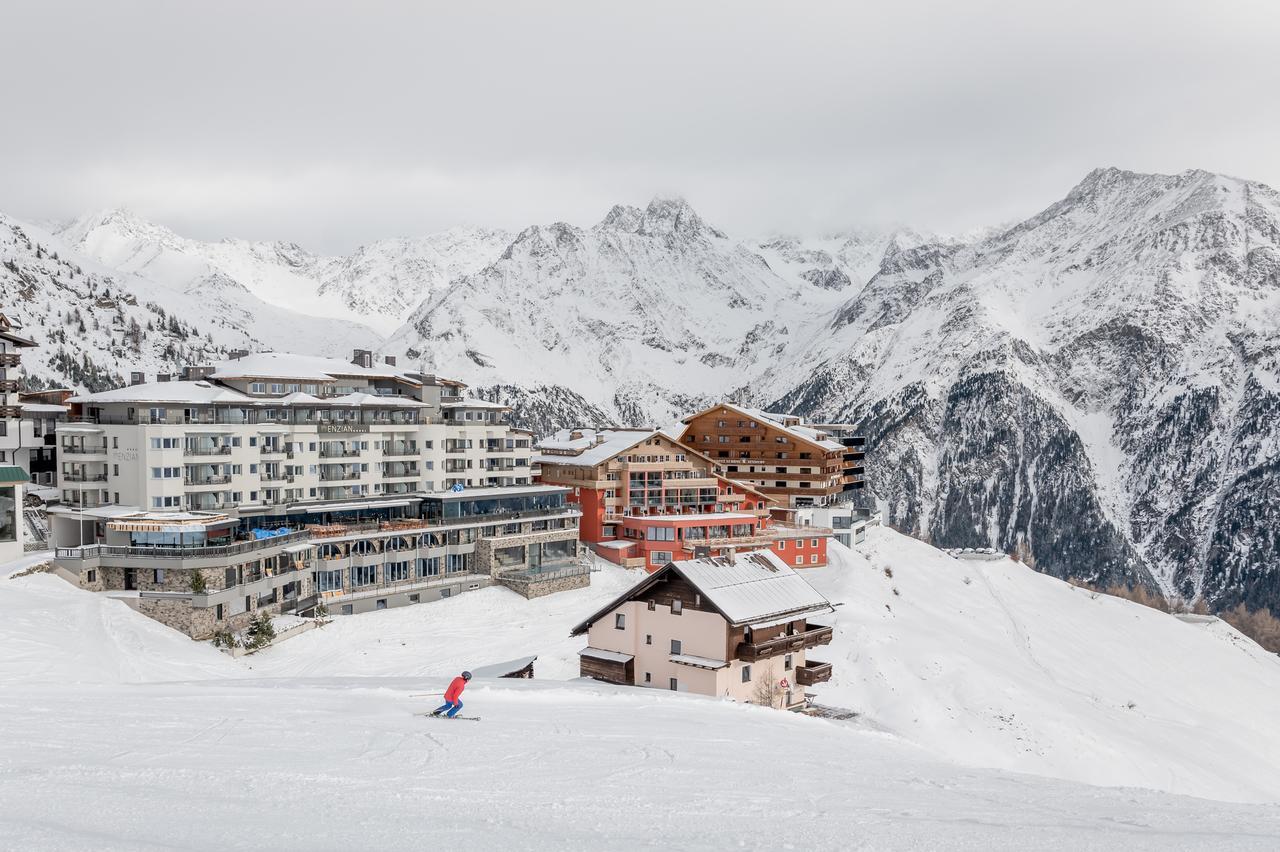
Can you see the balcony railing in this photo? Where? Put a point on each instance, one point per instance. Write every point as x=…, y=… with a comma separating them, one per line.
x=813, y=672
x=90, y=551
x=222, y=479
x=399, y=452
x=83, y=450
x=268, y=476
x=339, y=454
x=750, y=652
x=338, y=477
x=10, y=359
x=84, y=477
x=206, y=451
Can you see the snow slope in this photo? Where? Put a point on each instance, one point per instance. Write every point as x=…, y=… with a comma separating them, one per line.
x=121, y=734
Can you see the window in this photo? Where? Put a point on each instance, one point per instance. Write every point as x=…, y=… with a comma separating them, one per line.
x=159, y=576
x=676, y=646
x=800, y=560
x=257, y=387
x=659, y=557
x=786, y=663
x=91, y=576
x=619, y=622
x=675, y=685
x=217, y=612
x=381, y=603
x=415, y=598
x=648, y=638
x=677, y=606
x=397, y=571
x=347, y=609
x=813, y=543
x=363, y=575
x=446, y=593
x=813, y=560
x=648, y=677
x=746, y=674
x=653, y=605
x=782, y=545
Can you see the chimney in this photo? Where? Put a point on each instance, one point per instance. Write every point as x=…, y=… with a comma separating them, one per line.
x=575, y=435
x=362, y=358
x=195, y=373
x=390, y=359
x=136, y=378
x=237, y=354
x=162, y=377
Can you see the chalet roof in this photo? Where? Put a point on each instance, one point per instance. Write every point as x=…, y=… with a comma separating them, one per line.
x=748, y=588
x=808, y=434
x=592, y=447
x=196, y=392
x=471, y=402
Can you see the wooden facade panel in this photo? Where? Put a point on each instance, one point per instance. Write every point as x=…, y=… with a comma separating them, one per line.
x=674, y=587
x=608, y=670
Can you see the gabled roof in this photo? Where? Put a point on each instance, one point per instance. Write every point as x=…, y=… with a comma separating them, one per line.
x=593, y=447
x=200, y=391
x=747, y=588
x=808, y=434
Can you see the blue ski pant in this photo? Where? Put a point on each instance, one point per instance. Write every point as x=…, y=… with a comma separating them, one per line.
x=452, y=706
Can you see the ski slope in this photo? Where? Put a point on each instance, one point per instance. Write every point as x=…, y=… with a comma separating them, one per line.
x=118, y=733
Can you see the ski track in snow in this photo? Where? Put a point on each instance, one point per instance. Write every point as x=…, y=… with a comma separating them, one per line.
x=123, y=734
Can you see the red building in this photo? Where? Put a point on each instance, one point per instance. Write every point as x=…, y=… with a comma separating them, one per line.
x=647, y=500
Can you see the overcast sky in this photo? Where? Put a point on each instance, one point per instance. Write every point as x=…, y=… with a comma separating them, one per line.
x=332, y=124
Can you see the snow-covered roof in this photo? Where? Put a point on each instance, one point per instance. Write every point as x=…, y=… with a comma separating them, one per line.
x=43, y=408
x=616, y=545
x=591, y=447
x=475, y=403
x=375, y=400
x=600, y=654
x=747, y=588
x=505, y=668
x=752, y=586
x=286, y=365
x=485, y=492
x=183, y=392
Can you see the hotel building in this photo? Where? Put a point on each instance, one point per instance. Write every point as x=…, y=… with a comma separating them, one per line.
x=284, y=481
x=647, y=500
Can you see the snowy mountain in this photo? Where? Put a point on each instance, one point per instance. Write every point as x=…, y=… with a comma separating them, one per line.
x=94, y=323
x=997, y=709
x=1096, y=388
x=380, y=282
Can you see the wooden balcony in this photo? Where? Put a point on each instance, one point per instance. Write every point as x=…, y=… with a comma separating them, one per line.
x=750, y=652
x=813, y=672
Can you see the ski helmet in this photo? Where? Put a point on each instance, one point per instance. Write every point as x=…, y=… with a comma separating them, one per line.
x=466, y=675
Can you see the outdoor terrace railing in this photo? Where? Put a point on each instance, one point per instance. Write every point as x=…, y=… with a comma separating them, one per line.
x=815, y=635
x=90, y=551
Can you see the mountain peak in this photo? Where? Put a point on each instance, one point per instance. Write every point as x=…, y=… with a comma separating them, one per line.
x=673, y=216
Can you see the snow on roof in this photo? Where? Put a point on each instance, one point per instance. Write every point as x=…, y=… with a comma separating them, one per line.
x=752, y=586
x=503, y=669
x=616, y=545
x=475, y=403
x=199, y=391
x=286, y=365
x=485, y=492
x=370, y=399
x=43, y=408
x=600, y=654
x=747, y=588
x=592, y=447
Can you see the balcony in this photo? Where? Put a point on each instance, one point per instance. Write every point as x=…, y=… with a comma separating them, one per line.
x=750, y=652
x=276, y=476
x=10, y=386
x=83, y=450
x=398, y=452
x=205, y=451
x=10, y=359
x=223, y=479
x=813, y=672
x=84, y=477
x=339, y=454
x=268, y=450
x=339, y=477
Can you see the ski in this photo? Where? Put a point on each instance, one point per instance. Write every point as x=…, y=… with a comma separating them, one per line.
x=442, y=716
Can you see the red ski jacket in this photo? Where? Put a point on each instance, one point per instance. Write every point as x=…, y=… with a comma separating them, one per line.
x=455, y=689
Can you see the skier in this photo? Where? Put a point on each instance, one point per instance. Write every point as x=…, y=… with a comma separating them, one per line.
x=451, y=702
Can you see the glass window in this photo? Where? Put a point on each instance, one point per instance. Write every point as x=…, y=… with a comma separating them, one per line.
x=620, y=621
x=746, y=674
x=8, y=514
x=677, y=647
x=508, y=556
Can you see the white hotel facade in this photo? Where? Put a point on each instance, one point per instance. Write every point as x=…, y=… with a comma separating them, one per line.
x=381, y=479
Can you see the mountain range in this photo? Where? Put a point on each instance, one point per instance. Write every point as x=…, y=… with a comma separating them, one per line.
x=1095, y=389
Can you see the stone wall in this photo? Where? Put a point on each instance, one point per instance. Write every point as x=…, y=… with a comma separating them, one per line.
x=484, y=561
x=531, y=587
